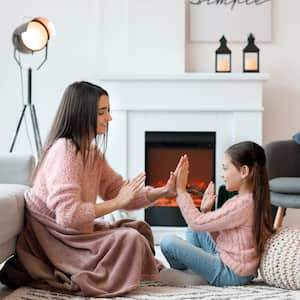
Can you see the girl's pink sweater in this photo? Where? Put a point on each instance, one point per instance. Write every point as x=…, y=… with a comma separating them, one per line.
x=231, y=227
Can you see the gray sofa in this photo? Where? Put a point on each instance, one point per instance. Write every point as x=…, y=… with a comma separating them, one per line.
x=15, y=171
x=283, y=164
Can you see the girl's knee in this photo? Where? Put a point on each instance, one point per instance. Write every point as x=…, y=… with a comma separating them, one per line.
x=168, y=242
x=195, y=237
x=189, y=230
x=190, y=234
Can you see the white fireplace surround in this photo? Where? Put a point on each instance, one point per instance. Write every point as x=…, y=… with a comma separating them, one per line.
x=229, y=104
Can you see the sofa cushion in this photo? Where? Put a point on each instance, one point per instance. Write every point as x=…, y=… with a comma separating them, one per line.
x=285, y=185
x=11, y=210
x=16, y=168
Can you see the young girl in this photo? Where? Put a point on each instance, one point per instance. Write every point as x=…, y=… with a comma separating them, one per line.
x=224, y=246
x=61, y=245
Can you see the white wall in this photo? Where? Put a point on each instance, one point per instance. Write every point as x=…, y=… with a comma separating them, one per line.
x=141, y=37
x=71, y=57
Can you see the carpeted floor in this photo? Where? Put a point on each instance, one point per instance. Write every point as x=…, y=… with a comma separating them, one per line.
x=157, y=291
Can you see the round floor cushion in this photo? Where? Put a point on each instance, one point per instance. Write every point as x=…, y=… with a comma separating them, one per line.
x=280, y=262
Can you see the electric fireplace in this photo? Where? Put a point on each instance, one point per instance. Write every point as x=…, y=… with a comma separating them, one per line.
x=162, y=152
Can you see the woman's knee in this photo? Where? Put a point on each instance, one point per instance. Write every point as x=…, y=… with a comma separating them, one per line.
x=130, y=234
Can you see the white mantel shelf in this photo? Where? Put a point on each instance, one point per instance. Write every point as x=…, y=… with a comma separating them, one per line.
x=184, y=76
x=206, y=92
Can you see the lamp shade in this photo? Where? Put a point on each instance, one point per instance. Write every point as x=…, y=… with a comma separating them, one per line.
x=33, y=36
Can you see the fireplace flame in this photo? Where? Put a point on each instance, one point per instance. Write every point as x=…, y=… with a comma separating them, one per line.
x=194, y=188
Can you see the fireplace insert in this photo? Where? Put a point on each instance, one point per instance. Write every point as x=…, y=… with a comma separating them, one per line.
x=162, y=152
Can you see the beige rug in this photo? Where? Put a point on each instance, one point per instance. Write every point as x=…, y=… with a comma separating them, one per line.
x=157, y=291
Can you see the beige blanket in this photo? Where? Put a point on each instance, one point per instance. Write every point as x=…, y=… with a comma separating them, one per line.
x=108, y=262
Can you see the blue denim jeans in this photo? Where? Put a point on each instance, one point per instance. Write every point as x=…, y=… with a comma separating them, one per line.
x=198, y=253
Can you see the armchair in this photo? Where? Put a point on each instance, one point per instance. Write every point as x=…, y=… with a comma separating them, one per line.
x=283, y=164
x=15, y=170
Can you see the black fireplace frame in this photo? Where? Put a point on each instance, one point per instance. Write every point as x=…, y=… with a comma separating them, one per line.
x=169, y=138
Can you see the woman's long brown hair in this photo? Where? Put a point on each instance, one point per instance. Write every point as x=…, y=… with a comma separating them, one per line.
x=252, y=155
x=76, y=119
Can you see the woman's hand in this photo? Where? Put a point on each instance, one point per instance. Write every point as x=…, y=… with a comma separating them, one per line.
x=130, y=189
x=182, y=174
x=170, y=187
x=209, y=198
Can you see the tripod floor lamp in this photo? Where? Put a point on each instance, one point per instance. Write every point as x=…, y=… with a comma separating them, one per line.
x=28, y=38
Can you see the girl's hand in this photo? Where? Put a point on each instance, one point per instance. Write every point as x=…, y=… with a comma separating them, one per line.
x=182, y=176
x=130, y=189
x=182, y=160
x=209, y=198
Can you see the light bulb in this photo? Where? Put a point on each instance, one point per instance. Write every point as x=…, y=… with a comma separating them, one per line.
x=49, y=25
x=35, y=37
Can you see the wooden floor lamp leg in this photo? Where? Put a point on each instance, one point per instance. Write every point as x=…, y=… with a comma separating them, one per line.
x=279, y=217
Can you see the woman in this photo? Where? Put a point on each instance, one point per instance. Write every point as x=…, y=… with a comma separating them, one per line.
x=61, y=246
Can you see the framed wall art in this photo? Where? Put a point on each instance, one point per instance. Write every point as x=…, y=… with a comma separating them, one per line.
x=210, y=19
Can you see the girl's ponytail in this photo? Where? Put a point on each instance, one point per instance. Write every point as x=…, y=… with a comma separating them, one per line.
x=252, y=155
x=262, y=226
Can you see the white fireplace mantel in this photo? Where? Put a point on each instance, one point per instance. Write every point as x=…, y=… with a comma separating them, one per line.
x=229, y=104
x=229, y=92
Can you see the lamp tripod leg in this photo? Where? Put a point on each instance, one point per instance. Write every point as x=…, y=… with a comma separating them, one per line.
x=18, y=128
x=36, y=131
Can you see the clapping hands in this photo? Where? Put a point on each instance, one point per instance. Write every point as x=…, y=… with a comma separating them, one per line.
x=171, y=185
x=176, y=184
x=181, y=173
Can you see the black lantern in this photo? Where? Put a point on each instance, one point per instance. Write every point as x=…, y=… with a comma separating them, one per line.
x=251, y=56
x=223, y=57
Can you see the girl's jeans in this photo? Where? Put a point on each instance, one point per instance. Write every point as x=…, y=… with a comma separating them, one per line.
x=198, y=254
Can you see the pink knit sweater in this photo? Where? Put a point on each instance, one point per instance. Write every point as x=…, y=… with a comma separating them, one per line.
x=231, y=227
x=66, y=191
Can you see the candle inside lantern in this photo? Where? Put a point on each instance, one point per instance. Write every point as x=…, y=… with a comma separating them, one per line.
x=251, y=64
x=223, y=66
